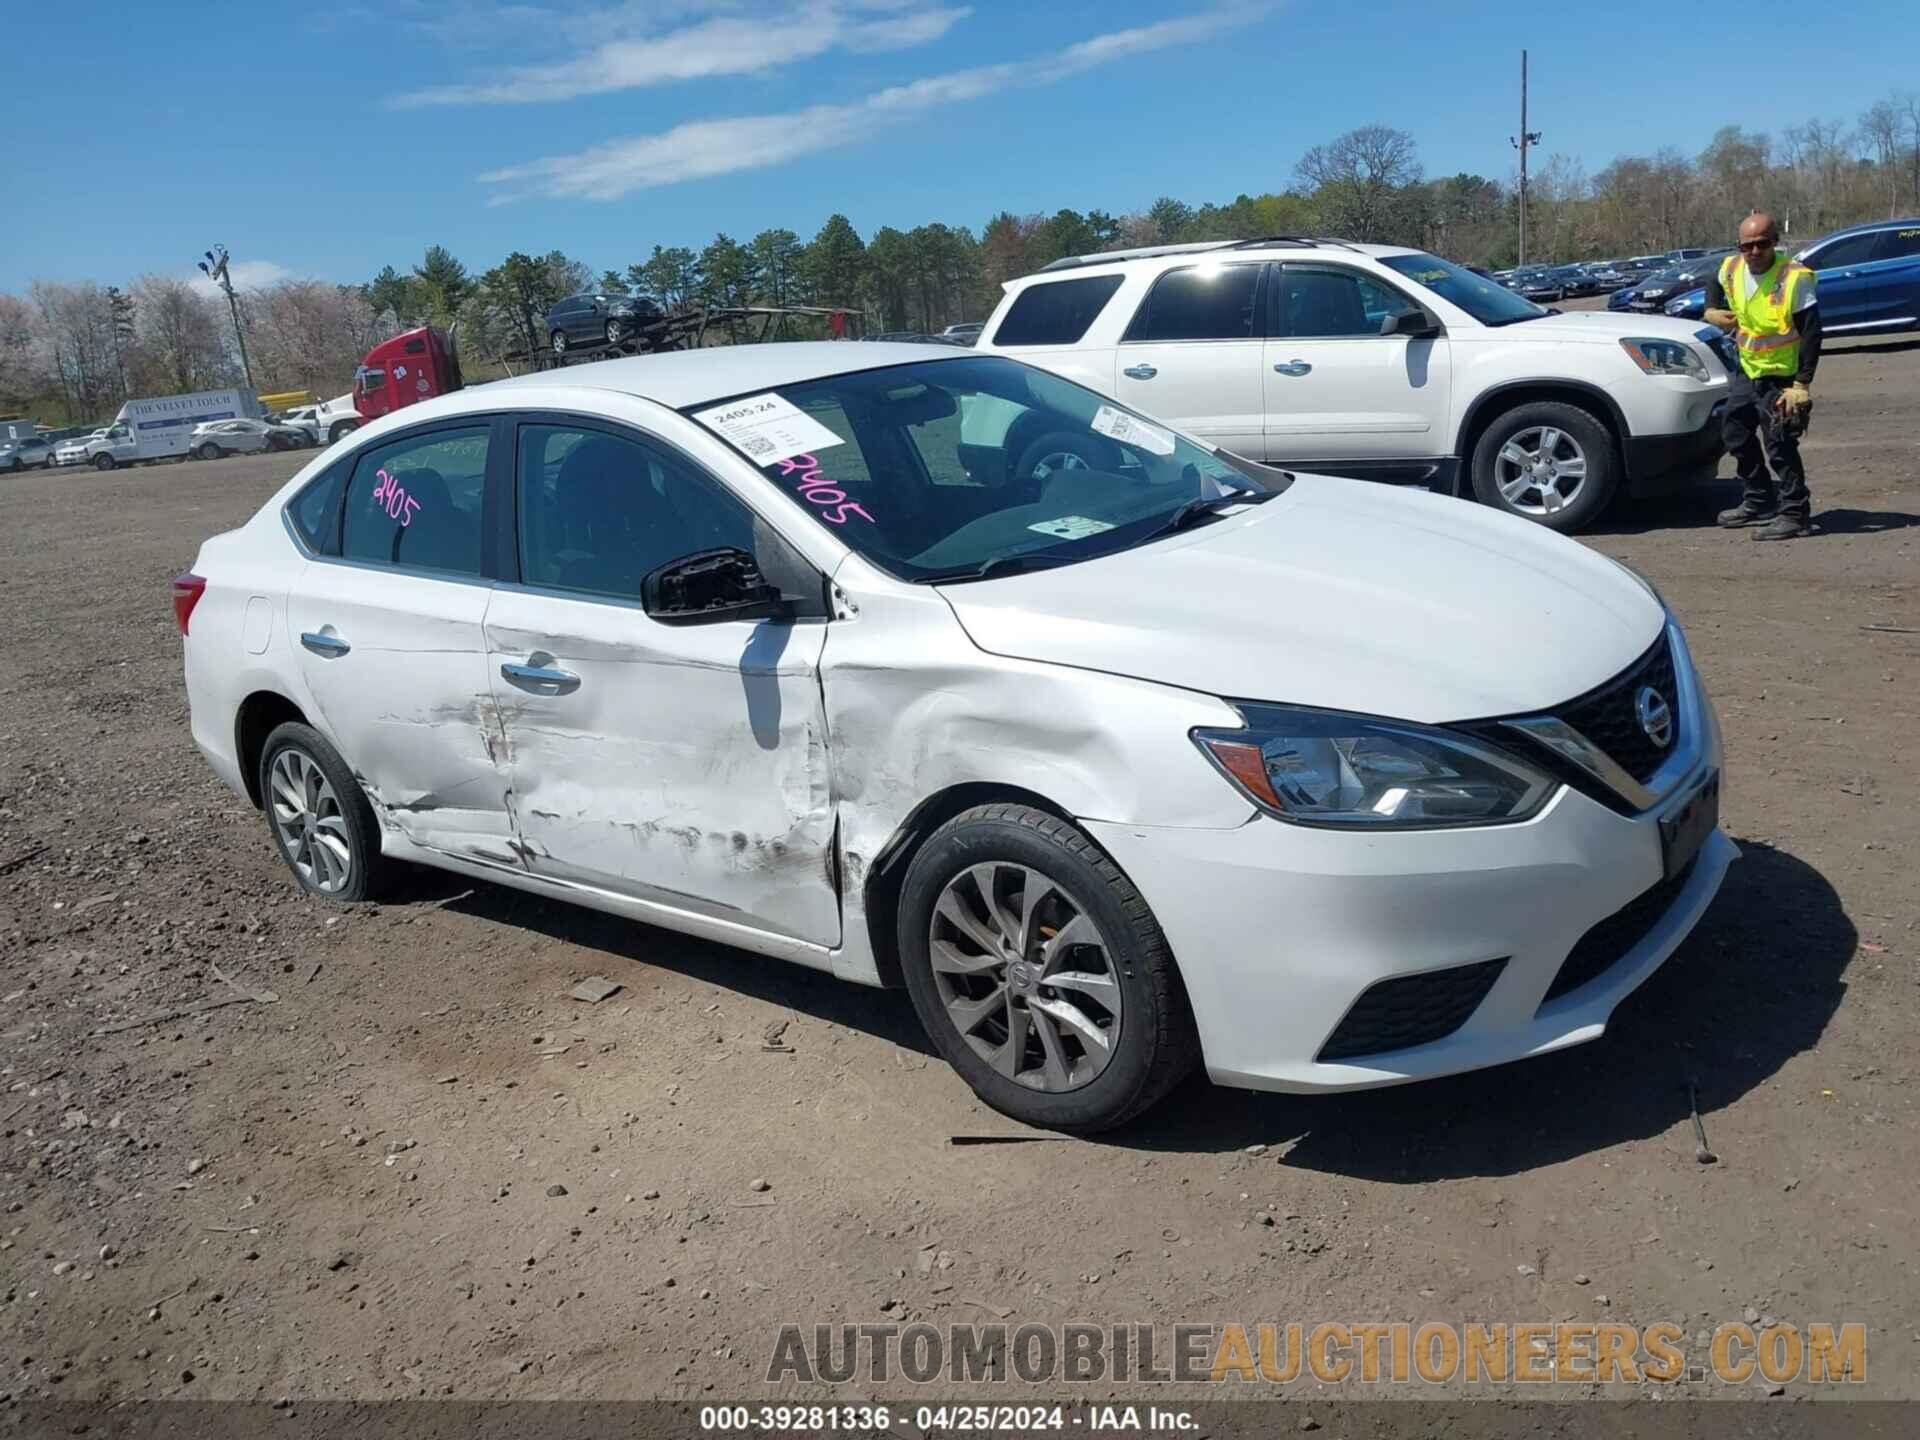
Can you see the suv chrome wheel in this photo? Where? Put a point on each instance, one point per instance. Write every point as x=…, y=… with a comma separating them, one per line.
x=1540, y=470
x=1025, y=976
x=312, y=826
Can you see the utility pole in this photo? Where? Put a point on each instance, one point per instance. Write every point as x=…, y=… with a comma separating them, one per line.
x=214, y=267
x=1527, y=138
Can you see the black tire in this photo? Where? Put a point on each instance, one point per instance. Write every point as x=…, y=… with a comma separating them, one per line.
x=1158, y=1045
x=1033, y=468
x=340, y=428
x=208, y=451
x=362, y=831
x=1588, y=433
x=558, y=339
x=103, y=462
x=616, y=332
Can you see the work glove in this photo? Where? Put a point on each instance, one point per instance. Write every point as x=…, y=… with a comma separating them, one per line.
x=1795, y=401
x=1722, y=318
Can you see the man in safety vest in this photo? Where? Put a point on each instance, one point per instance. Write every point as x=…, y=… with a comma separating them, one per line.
x=1769, y=303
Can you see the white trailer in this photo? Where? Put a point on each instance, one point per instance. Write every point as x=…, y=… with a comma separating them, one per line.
x=157, y=428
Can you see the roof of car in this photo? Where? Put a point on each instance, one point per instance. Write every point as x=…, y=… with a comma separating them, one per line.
x=1267, y=243
x=678, y=378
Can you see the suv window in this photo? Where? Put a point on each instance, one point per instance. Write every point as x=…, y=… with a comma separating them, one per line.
x=598, y=512
x=416, y=502
x=1055, y=312
x=1322, y=302
x=1201, y=302
x=1853, y=250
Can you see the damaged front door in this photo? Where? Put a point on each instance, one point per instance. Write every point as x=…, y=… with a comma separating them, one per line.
x=387, y=628
x=682, y=765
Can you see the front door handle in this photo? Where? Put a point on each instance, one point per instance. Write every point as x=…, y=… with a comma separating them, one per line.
x=327, y=647
x=1140, y=372
x=1291, y=367
x=541, y=679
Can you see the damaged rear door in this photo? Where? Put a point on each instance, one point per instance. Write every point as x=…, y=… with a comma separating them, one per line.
x=684, y=765
x=386, y=622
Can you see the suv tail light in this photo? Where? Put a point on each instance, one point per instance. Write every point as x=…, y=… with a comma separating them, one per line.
x=187, y=590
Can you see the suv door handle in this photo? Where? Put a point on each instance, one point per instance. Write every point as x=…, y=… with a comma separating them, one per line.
x=1140, y=372
x=540, y=678
x=327, y=647
x=1291, y=367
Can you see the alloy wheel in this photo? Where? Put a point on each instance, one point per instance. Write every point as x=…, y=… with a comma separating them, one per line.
x=1540, y=470
x=1058, y=460
x=308, y=818
x=1025, y=976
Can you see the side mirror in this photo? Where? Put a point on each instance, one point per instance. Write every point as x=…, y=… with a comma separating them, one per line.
x=711, y=586
x=1414, y=324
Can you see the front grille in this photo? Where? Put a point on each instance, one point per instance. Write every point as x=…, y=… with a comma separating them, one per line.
x=1597, y=951
x=1410, y=1010
x=1608, y=717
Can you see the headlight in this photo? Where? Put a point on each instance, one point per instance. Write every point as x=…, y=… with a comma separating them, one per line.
x=1320, y=767
x=1664, y=357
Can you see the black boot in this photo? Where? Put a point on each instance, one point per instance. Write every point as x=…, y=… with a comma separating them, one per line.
x=1784, y=527
x=1745, y=513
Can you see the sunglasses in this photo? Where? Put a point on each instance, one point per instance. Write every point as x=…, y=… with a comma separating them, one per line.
x=1749, y=246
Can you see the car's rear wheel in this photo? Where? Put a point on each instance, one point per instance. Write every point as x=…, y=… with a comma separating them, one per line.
x=616, y=332
x=1039, y=972
x=318, y=816
x=1549, y=462
x=559, y=342
x=103, y=462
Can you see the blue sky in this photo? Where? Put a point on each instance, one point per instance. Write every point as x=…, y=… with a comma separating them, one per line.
x=330, y=139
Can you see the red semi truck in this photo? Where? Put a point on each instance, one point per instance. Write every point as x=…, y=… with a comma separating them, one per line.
x=414, y=365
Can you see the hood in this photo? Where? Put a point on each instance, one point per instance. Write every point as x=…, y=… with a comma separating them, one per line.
x=1597, y=326
x=1338, y=594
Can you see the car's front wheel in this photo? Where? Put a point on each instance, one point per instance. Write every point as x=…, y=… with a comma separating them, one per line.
x=319, y=817
x=1548, y=461
x=616, y=332
x=559, y=342
x=209, y=451
x=1039, y=972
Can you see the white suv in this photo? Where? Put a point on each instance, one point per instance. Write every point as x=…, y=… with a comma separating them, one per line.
x=1379, y=362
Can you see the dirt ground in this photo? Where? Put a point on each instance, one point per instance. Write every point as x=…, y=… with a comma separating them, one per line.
x=422, y=1170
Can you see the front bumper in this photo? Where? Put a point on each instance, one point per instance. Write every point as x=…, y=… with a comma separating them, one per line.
x=1279, y=929
x=1661, y=464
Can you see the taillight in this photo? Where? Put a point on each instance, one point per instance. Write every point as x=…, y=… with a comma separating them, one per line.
x=187, y=590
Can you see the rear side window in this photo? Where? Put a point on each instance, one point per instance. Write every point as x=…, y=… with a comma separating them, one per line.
x=1056, y=312
x=1205, y=302
x=416, y=502
x=1854, y=250
x=315, y=511
x=1898, y=244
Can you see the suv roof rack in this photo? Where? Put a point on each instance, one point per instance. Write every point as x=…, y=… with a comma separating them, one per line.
x=1149, y=252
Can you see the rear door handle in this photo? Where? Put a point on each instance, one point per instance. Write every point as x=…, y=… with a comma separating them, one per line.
x=541, y=679
x=1291, y=367
x=327, y=647
x=1140, y=372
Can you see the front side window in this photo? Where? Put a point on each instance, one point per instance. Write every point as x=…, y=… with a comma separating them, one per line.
x=1201, y=302
x=1328, y=302
x=416, y=502
x=598, y=512
x=1055, y=312
x=1483, y=299
x=946, y=470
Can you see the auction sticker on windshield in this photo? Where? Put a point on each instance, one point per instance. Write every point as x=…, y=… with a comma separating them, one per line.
x=1071, y=527
x=767, y=428
x=1118, y=425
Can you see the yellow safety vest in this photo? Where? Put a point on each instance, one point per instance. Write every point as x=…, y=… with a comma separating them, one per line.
x=1768, y=338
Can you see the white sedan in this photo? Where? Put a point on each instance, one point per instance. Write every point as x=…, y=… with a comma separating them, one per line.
x=1119, y=753
x=211, y=439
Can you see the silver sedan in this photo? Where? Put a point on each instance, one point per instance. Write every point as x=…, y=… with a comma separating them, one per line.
x=214, y=438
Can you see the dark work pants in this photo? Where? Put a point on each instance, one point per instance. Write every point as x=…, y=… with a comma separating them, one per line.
x=1765, y=447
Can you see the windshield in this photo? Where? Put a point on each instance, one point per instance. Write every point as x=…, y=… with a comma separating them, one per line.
x=1485, y=300
x=945, y=470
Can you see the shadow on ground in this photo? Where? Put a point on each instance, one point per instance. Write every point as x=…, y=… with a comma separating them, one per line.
x=1753, y=986
x=1697, y=508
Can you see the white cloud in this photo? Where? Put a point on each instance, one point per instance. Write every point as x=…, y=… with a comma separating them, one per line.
x=721, y=45
x=703, y=148
x=246, y=275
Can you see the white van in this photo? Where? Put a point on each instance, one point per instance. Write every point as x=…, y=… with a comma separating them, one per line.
x=157, y=429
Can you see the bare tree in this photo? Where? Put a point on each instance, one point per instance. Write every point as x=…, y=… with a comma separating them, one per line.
x=178, y=332
x=309, y=335
x=1880, y=135
x=1360, y=176
x=76, y=332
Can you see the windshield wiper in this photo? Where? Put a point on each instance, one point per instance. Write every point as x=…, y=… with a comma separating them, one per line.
x=999, y=565
x=1206, y=505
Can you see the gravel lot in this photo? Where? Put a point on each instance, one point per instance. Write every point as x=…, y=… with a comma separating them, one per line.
x=422, y=1170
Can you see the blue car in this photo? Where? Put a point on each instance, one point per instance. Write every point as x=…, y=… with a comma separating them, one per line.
x=1690, y=306
x=1869, y=277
